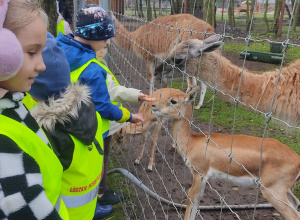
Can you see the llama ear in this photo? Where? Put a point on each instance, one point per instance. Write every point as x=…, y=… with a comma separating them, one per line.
x=208, y=48
x=192, y=94
x=199, y=47
x=212, y=39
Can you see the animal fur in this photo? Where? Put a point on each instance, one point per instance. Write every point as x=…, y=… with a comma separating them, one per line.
x=159, y=37
x=257, y=90
x=60, y=110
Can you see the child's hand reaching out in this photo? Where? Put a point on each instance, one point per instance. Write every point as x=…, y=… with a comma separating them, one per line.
x=136, y=118
x=143, y=97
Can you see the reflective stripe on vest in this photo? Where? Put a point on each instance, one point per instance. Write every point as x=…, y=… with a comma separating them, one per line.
x=50, y=166
x=60, y=27
x=81, y=200
x=76, y=74
x=81, y=180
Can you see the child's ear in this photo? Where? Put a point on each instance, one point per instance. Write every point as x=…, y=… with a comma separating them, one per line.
x=11, y=53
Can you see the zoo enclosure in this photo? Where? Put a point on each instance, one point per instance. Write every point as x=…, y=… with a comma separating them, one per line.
x=170, y=178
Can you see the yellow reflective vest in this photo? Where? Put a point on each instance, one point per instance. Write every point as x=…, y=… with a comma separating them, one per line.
x=60, y=27
x=29, y=102
x=81, y=180
x=50, y=167
x=74, y=77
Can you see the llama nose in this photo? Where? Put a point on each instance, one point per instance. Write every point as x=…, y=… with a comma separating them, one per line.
x=153, y=106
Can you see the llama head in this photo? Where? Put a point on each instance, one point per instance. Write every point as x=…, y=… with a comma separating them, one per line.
x=186, y=55
x=173, y=103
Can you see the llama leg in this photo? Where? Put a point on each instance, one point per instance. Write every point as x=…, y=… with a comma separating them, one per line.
x=202, y=95
x=191, y=80
x=195, y=194
x=155, y=133
x=144, y=139
x=150, y=76
x=293, y=199
x=281, y=194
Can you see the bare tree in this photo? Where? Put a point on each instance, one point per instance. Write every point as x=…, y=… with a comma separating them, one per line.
x=296, y=15
x=275, y=27
x=249, y=15
x=149, y=11
x=141, y=13
x=281, y=19
x=159, y=6
x=265, y=15
x=231, y=20
x=154, y=9
x=209, y=12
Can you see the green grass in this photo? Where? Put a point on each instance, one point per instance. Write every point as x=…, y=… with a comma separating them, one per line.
x=292, y=52
x=118, y=183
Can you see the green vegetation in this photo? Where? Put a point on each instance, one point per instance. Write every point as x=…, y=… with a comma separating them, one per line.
x=235, y=48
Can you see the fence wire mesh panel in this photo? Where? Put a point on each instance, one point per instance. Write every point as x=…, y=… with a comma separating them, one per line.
x=241, y=59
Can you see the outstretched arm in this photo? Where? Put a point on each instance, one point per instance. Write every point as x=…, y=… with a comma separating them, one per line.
x=143, y=97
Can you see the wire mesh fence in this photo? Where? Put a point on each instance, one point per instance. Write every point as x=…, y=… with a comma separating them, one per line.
x=247, y=89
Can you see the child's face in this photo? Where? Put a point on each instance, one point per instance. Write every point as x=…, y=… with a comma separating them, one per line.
x=33, y=39
x=99, y=45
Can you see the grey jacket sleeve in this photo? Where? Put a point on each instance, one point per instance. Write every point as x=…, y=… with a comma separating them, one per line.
x=121, y=93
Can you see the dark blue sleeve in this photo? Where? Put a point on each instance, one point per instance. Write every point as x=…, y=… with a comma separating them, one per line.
x=94, y=76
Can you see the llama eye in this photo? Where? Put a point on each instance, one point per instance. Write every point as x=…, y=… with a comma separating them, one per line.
x=173, y=101
x=177, y=61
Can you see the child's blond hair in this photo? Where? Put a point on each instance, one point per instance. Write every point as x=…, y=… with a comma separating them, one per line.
x=21, y=13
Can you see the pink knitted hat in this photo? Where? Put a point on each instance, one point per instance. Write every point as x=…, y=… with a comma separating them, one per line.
x=11, y=54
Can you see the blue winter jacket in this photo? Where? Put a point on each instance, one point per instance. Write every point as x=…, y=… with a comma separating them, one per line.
x=94, y=76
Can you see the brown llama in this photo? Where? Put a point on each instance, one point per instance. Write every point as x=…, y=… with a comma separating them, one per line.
x=201, y=60
x=159, y=37
x=209, y=158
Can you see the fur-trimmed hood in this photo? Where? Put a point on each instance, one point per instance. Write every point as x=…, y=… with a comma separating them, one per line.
x=73, y=113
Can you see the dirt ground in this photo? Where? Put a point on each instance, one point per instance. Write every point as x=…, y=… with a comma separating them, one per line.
x=170, y=177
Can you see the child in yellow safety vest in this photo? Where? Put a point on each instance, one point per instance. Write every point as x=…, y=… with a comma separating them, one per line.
x=30, y=172
x=68, y=116
x=94, y=28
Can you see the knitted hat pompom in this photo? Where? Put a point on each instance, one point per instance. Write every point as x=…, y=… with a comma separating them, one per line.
x=11, y=53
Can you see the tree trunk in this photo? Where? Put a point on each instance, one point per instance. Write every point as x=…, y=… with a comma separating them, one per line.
x=288, y=11
x=149, y=11
x=178, y=6
x=296, y=15
x=207, y=11
x=159, y=6
x=247, y=13
x=136, y=8
x=154, y=9
x=49, y=6
x=223, y=4
x=141, y=9
x=249, y=18
x=265, y=15
x=172, y=7
x=281, y=19
x=276, y=16
x=231, y=20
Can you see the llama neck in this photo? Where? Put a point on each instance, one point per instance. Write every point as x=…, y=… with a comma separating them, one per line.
x=229, y=75
x=123, y=37
x=182, y=131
